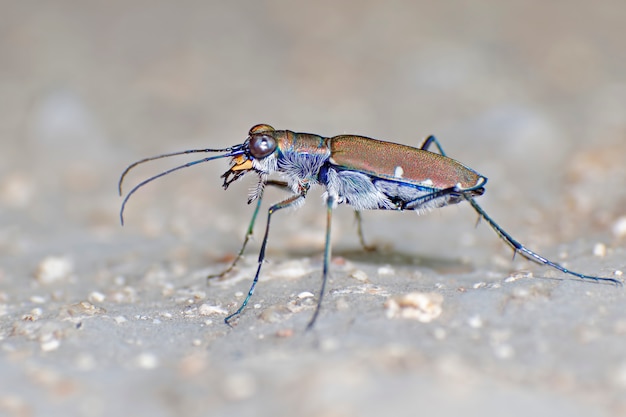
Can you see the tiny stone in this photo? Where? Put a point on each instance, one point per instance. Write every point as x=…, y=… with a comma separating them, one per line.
x=209, y=310
x=305, y=294
x=54, y=269
x=49, y=343
x=386, y=270
x=518, y=275
x=475, y=322
x=37, y=299
x=96, y=297
x=599, y=250
x=619, y=227
x=359, y=275
x=423, y=307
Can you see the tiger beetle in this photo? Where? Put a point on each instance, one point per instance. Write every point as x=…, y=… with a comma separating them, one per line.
x=365, y=173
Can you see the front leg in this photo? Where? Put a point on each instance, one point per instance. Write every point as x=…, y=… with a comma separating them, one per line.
x=280, y=184
x=290, y=202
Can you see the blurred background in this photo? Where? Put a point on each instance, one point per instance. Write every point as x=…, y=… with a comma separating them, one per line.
x=529, y=93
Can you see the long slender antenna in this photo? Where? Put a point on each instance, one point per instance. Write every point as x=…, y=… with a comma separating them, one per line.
x=231, y=152
x=527, y=253
x=166, y=155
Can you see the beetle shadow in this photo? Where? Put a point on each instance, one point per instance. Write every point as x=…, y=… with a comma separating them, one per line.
x=394, y=257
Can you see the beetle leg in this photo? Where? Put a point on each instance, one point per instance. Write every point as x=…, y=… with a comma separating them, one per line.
x=330, y=201
x=422, y=202
x=429, y=141
x=527, y=253
x=359, y=230
x=279, y=184
x=294, y=200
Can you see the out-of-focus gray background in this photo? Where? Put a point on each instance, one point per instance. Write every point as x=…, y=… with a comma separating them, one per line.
x=100, y=320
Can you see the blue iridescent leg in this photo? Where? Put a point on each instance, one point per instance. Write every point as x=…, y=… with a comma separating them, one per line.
x=327, y=253
x=530, y=255
x=249, y=232
x=293, y=200
x=429, y=141
x=517, y=247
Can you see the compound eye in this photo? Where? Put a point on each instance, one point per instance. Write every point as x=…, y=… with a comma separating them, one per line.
x=262, y=145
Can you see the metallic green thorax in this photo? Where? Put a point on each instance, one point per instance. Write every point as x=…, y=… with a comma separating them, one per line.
x=301, y=143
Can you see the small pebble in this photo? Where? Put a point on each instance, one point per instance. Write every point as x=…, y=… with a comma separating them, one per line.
x=37, y=299
x=599, y=250
x=386, y=270
x=53, y=269
x=96, y=297
x=49, y=343
x=209, y=310
x=360, y=275
x=518, y=275
x=619, y=227
x=475, y=322
x=423, y=307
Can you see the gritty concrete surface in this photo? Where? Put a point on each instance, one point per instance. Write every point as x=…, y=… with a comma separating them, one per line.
x=99, y=320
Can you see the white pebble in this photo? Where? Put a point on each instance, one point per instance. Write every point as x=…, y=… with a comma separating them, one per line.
x=599, y=250
x=386, y=270
x=619, y=227
x=475, y=322
x=96, y=297
x=209, y=310
x=423, y=307
x=49, y=343
x=54, y=269
x=37, y=299
x=359, y=275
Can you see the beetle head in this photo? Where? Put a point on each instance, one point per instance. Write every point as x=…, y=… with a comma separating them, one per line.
x=260, y=144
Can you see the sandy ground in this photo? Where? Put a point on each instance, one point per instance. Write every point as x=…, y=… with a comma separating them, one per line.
x=98, y=320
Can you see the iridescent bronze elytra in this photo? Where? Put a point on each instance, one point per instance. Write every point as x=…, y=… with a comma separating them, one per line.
x=365, y=173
